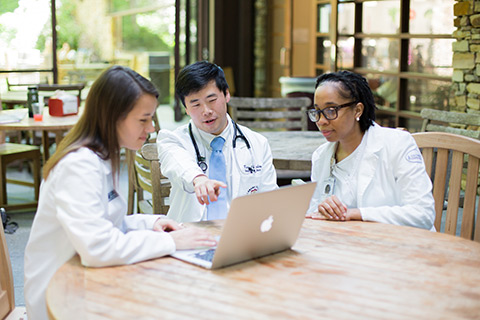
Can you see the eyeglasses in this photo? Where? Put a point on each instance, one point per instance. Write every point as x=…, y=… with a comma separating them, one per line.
x=330, y=113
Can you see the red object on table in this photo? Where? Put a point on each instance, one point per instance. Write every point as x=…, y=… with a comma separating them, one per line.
x=63, y=106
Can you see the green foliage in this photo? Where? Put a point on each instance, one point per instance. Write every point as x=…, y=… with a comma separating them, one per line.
x=8, y=6
x=119, y=5
x=7, y=34
x=138, y=38
x=68, y=30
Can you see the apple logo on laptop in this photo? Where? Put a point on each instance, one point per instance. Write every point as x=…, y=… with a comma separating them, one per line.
x=266, y=224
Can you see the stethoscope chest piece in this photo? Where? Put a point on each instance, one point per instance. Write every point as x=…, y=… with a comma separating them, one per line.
x=203, y=165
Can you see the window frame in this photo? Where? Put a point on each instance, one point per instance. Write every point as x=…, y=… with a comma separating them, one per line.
x=398, y=115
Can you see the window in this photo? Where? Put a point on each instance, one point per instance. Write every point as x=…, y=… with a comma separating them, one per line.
x=404, y=49
x=25, y=48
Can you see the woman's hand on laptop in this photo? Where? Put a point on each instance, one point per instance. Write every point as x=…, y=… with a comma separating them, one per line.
x=207, y=189
x=192, y=237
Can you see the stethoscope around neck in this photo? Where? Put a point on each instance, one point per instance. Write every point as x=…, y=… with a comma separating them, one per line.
x=237, y=134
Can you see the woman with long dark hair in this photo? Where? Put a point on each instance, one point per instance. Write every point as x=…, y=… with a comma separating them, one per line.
x=80, y=210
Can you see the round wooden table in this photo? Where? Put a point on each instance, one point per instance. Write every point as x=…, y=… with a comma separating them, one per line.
x=336, y=270
x=57, y=125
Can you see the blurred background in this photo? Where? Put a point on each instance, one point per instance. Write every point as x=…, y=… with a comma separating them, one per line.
x=266, y=47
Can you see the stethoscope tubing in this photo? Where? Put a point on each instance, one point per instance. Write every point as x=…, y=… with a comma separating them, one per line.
x=237, y=134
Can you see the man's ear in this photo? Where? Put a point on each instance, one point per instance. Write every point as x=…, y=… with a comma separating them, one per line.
x=227, y=96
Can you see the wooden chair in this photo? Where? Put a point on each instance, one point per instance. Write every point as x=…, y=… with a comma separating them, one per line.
x=267, y=114
x=65, y=87
x=436, y=147
x=270, y=113
x=8, y=310
x=147, y=177
x=464, y=124
x=451, y=122
x=22, y=86
x=12, y=152
x=9, y=153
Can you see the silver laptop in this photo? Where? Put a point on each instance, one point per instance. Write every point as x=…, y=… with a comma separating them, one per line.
x=257, y=225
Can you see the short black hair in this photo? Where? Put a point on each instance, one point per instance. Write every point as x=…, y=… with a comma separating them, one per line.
x=355, y=87
x=196, y=76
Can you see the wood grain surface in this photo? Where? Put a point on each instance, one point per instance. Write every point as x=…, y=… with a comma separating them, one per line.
x=336, y=270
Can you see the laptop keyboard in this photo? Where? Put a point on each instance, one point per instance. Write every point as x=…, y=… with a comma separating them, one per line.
x=205, y=255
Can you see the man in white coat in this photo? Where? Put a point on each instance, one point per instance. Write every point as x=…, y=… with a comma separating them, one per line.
x=185, y=153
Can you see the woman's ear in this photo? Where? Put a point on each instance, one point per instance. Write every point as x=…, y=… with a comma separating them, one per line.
x=358, y=110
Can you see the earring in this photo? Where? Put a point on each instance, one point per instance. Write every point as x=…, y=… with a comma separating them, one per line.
x=358, y=119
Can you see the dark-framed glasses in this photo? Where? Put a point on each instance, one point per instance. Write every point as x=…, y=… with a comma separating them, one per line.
x=330, y=113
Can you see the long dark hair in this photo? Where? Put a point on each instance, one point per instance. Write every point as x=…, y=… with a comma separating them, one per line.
x=111, y=97
x=355, y=87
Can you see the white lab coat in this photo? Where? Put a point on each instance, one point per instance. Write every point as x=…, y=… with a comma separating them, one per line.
x=179, y=163
x=75, y=215
x=392, y=186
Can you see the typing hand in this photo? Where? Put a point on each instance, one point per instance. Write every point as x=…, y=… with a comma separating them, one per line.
x=167, y=225
x=207, y=189
x=192, y=237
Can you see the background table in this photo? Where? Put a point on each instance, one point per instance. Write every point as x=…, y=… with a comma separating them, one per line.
x=57, y=125
x=337, y=270
x=292, y=150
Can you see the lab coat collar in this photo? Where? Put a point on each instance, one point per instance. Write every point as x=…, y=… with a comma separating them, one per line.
x=369, y=161
x=204, y=138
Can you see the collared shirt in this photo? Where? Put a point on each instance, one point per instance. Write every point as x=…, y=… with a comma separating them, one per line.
x=346, y=175
x=178, y=162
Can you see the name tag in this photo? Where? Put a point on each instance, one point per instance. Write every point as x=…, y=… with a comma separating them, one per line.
x=112, y=195
x=328, y=187
x=252, y=169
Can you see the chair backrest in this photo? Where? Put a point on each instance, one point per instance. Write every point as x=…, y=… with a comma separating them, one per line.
x=7, y=301
x=147, y=176
x=271, y=113
x=451, y=122
x=22, y=85
x=65, y=87
x=436, y=147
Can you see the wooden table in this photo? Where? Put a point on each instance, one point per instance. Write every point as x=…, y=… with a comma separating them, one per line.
x=57, y=125
x=336, y=270
x=292, y=150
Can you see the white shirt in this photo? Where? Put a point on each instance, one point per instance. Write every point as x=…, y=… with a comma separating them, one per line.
x=392, y=185
x=248, y=170
x=346, y=175
x=79, y=211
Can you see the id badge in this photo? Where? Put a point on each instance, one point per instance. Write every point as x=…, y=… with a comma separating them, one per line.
x=328, y=187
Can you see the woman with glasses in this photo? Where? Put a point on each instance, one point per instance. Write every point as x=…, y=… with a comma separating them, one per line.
x=364, y=172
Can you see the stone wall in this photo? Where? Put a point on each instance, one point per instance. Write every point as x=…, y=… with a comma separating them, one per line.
x=466, y=56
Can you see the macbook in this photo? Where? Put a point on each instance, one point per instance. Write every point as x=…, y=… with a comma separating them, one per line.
x=257, y=225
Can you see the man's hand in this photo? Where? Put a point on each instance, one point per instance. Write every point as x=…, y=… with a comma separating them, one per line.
x=207, y=189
